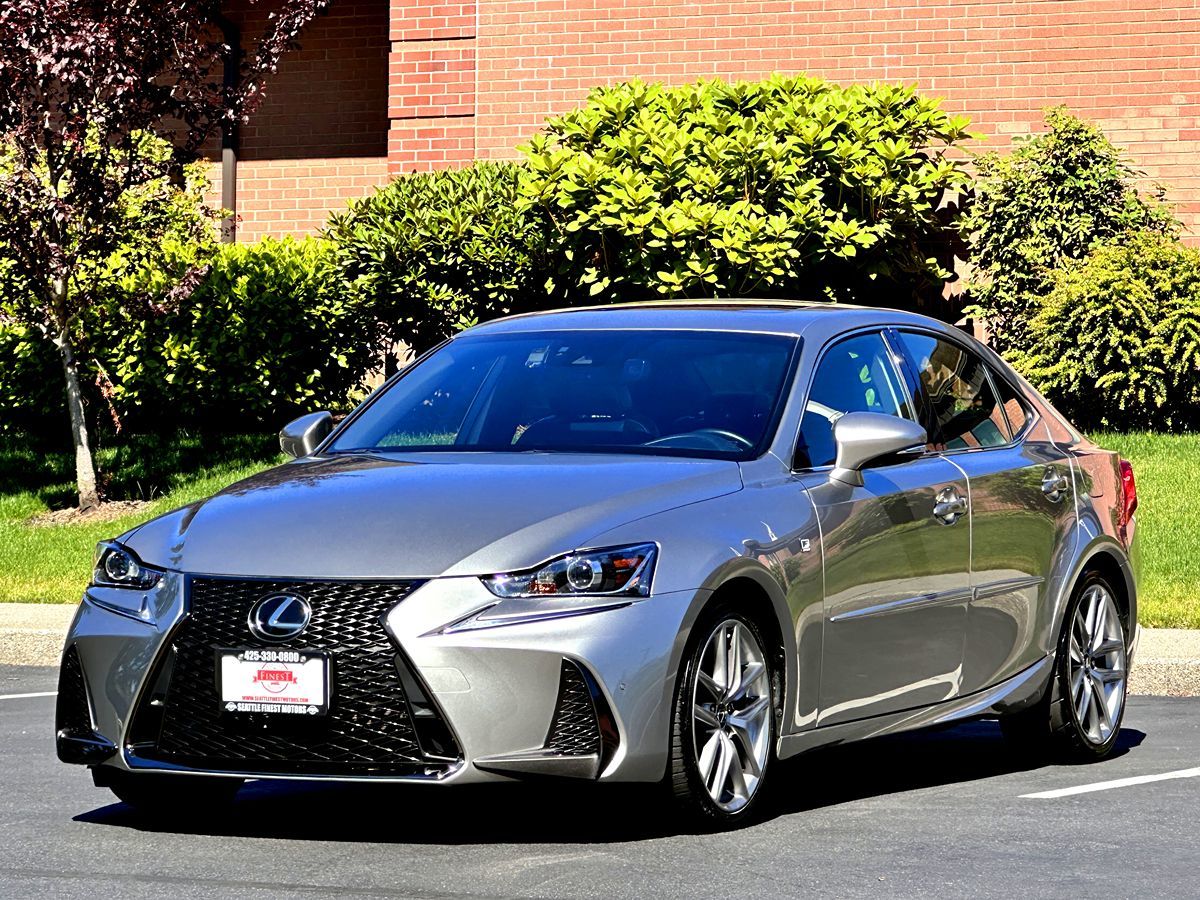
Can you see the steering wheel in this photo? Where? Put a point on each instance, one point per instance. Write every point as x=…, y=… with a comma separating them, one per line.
x=643, y=425
x=722, y=434
x=733, y=436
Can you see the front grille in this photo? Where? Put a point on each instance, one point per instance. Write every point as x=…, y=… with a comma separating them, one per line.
x=72, y=715
x=369, y=728
x=574, y=730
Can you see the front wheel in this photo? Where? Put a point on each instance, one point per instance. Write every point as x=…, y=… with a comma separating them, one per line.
x=723, y=733
x=1080, y=715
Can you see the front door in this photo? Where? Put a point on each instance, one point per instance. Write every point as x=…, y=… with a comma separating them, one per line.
x=896, y=550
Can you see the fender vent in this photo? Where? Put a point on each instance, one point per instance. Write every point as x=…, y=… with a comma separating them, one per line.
x=574, y=730
x=583, y=724
x=75, y=738
x=73, y=715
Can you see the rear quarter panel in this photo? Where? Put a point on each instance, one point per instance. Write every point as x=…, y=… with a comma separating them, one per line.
x=1098, y=499
x=1097, y=490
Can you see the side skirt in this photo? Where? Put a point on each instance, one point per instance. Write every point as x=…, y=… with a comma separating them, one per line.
x=1008, y=696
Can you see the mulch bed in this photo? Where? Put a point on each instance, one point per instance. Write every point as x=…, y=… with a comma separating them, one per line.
x=105, y=512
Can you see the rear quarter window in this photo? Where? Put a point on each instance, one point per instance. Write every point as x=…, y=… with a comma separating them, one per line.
x=961, y=408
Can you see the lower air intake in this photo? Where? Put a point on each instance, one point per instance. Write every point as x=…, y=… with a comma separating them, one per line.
x=575, y=729
x=75, y=737
x=72, y=715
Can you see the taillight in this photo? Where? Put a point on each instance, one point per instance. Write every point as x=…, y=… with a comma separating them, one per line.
x=1129, y=498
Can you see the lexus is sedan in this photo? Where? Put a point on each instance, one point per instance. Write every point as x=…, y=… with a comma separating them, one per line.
x=664, y=543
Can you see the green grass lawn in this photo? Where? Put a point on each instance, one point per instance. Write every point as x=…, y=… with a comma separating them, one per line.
x=49, y=564
x=1168, y=519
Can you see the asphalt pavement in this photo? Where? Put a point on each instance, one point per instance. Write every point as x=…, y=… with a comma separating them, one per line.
x=940, y=814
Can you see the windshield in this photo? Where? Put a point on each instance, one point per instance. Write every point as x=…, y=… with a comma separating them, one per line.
x=713, y=394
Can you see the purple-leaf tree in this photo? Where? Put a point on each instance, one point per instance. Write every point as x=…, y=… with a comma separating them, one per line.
x=83, y=83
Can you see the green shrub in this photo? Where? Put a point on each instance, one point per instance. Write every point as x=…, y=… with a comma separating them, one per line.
x=789, y=186
x=1116, y=341
x=432, y=253
x=235, y=336
x=261, y=332
x=31, y=390
x=1052, y=199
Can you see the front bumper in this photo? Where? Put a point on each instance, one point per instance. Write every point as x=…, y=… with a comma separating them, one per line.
x=498, y=689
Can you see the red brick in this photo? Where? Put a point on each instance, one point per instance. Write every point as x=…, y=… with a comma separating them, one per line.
x=296, y=196
x=1000, y=63
x=416, y=20
x=433, y=84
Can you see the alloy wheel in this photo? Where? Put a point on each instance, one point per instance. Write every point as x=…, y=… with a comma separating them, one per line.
x=1096, y=664
x=731, y=710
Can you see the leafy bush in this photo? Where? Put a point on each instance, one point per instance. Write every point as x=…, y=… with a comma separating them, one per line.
x=30, y=380
x=233, y=336
x=432, y=253
x=261, y=332
x=1053, y=199
x=1116, y=341
x=789, y=186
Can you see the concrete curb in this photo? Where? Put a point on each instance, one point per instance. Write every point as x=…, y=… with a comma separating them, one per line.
x=31, y=634
x=1167, y=661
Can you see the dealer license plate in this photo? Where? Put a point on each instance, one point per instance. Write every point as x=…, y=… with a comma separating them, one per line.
x=276, y=681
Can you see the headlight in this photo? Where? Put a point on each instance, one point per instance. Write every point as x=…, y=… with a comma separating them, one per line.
x=611, y=572
x=117, y=567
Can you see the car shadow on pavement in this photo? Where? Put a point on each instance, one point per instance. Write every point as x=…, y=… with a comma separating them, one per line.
x=559, y=812
x=906, y=762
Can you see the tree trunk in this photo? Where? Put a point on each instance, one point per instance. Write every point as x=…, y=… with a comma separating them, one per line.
x=85, y=469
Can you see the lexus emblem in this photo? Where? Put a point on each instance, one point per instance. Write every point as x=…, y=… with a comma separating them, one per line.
x=279, y=617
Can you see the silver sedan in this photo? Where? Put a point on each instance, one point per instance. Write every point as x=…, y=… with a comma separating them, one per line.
x=668, y=543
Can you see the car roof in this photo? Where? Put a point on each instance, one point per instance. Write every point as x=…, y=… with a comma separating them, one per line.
x=783, y=317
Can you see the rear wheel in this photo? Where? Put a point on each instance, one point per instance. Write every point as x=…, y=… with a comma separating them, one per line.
x=177, y=796
x=1081, y=712
x=723, y=733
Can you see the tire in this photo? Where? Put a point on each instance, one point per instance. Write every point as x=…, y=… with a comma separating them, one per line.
x=174, y=796
x=1092, y=658
x=715, y=728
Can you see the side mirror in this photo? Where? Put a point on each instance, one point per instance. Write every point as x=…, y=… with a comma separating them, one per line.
x=863, y=438
x=302, y=436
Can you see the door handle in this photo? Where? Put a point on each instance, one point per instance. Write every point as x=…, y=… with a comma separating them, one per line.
x=1054, y=485
x=949, y=506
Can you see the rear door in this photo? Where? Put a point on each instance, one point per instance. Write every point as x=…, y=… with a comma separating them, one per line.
x=1021, y=499
x=897, y=577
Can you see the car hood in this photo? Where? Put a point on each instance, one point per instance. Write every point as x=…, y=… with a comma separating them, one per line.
x=421, y=515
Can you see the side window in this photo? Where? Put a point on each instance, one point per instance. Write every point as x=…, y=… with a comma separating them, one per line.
x=956, y=392
x=1015, y=409
x=855, y=375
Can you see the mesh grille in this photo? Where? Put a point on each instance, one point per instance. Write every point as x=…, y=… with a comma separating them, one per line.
x=574, y=730
x=72, y=714
x=369, y=728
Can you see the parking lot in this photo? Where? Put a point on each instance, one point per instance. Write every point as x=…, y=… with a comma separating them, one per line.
x=935, y=814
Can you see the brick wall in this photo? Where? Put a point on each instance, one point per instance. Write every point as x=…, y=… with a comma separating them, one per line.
x=1133, y=66
x=379, y=89
x=320, y=137
x=431, y=85
x=278, y=197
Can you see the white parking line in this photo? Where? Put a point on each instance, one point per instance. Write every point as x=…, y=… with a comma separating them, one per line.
x=23, y=696
x=1109, y=785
